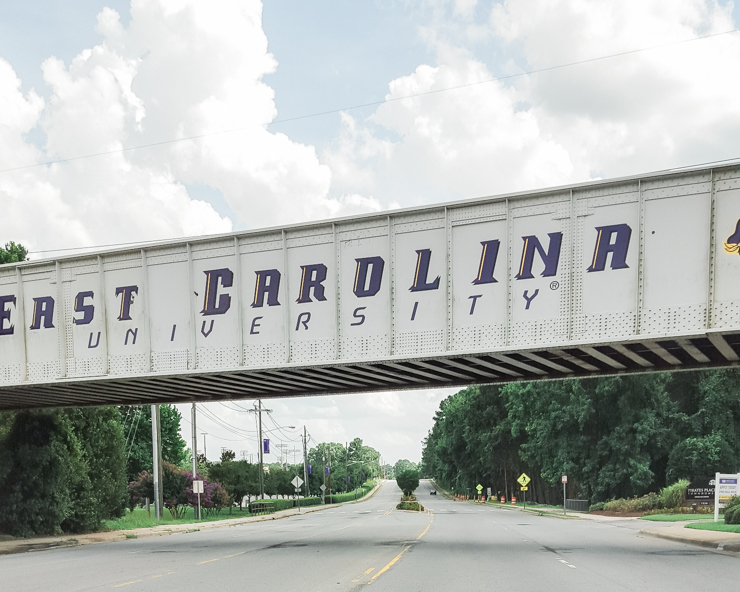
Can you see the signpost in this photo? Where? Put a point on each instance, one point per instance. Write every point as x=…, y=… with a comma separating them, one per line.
x=479, y=487
x=564, y=479
x=524, y=480
x=323, y=493
x=297, y=482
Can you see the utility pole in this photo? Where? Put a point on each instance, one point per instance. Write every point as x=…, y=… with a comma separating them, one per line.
x=259, y=411
x=195, y=455
x=157, y=462
x=305, y=463
x=205, y=454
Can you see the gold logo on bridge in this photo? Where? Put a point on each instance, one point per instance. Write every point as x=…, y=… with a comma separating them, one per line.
x=732, y=244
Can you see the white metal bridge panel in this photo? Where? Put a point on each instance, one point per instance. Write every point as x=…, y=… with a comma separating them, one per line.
x=602, y=277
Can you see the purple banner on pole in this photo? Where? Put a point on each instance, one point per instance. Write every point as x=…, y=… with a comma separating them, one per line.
x=327, y=470
x=347, y=478
x=309, y=469
x=266, y=446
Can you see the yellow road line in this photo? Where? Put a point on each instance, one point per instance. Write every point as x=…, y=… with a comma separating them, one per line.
x=425, y=531
x=209, y=561
x=234, y=555
x=169, y=573
x=369, y=571
x=387, y=567
x=126, y=584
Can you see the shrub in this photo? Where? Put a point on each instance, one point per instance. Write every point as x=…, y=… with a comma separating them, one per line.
x=415, y=506
x=674, y=495
x=646, y=503
x=597, y=507
x=732, y=510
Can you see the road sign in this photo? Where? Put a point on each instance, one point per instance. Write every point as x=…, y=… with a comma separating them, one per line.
x=197, y=486
x=525, y=488
x=297, y=482
x=323, y=488
x=523, y=479
x=564, y=479
x=479, y=487
x=488, y=491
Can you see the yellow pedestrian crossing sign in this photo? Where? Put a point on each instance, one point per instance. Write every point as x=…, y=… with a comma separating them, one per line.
x=523, y=479
x=479, y=487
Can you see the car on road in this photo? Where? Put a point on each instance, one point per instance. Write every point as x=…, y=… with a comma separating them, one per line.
x=433, y=492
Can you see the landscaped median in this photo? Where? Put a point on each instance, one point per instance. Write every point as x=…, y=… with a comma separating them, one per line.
x=164, y=527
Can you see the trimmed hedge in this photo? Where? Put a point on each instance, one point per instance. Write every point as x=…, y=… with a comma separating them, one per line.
x=415, y=506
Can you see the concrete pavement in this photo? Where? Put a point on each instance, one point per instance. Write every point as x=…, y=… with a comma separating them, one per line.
x=453, y=546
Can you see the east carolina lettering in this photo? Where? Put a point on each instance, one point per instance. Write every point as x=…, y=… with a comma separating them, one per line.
x=368, y=286
x=487, y=265
x=604, y=246
x=43, y=310
x=421, y=284
x=6, y=327
x=213, y=303
x=127, y=299
x=611, y=240
x=312, y=277
x=267, y=284
x=88, y=310
x=550, y=258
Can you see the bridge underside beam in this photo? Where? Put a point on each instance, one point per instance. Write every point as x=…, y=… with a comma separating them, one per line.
x=687, y=352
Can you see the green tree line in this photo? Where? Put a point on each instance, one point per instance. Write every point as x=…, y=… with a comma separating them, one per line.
x=612, y=436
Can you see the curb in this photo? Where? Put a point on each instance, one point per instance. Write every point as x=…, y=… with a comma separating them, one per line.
x=725, y=546
x=27, y=545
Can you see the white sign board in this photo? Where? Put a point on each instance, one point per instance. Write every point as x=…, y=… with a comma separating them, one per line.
x=197, y=486
x=297, y=482
x=602, y=263
x=725, y=487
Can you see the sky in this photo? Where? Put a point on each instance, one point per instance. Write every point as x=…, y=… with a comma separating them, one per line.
x=173, y=118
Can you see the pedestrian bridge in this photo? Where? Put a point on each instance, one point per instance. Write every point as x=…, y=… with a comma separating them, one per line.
x=605, y=277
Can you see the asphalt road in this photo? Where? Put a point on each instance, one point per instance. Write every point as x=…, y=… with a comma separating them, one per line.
x=453, y=546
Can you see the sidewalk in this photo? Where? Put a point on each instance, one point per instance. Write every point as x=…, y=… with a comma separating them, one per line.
x=722, y=541
x=12, y=546
x=676, y=531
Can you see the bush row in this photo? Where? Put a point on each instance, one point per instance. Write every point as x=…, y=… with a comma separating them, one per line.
x=669, y=498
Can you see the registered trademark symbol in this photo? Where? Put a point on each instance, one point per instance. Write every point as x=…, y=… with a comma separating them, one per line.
x=554, y=285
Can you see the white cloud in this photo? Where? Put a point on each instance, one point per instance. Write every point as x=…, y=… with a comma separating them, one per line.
x=649, y=110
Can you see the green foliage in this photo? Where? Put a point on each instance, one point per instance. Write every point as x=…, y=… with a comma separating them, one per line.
x=137, y=422
x=698, y=459
x=415, y=506
x=635, y=505
x=174, y=482
x=227, y=455
x=60, y=470
x=732, y=510
x=404, y=465
x=356, y=461
x=597, y=507
x=408, y=481
x=674, y=495
x=239, y=479
x=12, y=253
x=615, y=437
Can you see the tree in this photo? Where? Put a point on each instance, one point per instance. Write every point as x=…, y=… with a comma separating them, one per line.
x=43, y=477
x=138, y=434
x=408, y=481
x=13, y=253
x=227, y=455
x=102, y=446
x=236, y=478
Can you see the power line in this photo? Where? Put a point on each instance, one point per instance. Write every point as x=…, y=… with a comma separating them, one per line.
x=371, y=103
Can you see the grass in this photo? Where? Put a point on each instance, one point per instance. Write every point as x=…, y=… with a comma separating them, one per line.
x=139, y=518
x=676, y=517
x=718, y=526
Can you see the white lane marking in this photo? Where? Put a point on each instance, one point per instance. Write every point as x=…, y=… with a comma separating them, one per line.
x=564, y=562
